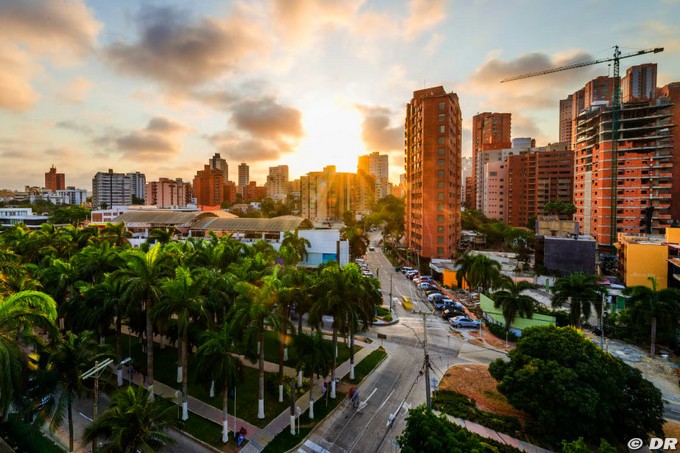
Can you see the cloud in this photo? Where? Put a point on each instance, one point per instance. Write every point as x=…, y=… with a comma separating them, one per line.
x=71, y=125
x=16, y=92
x=29, y=30
x=64, y=153
x=161, y=139
x=424, y=15
x=376, y=132
x=76, y=91
x=49, y=26
x=267, y=119
x=181, y=52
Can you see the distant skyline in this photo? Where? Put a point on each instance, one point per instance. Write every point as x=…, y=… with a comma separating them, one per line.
x=159, y=88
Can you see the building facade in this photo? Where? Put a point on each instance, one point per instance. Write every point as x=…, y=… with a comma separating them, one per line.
x=277, y=182
x=209, y=187
x=54, y=181
x=639, y=83
x=217, y=163
x=112, y=189
x=490, y=131
x=137, y=185
x=243, y=177
x=495, y=178
x=671, y=93
x=566, y=118
x=327, y=195
x=166, y=193
x=376, y=165
x=433, y=130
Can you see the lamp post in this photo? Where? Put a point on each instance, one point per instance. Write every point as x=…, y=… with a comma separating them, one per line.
x=391, y=275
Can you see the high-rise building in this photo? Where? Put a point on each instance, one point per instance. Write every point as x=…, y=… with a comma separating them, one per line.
x=377, y=165
x=54, y=181
x=566, y=118
x=535, y=178
x=328, y=194
x=137, y=185
x=433, y=129
x=243, y=177
x=253, y=192
x=495, y=178
x=644, y=170
x=671, y=93
x=466, y=179
x=209, y=186
x=639, y=83
x=217, y=163
x=167, y=192
x=490, y=131
x=277, y=182
x=112, y=189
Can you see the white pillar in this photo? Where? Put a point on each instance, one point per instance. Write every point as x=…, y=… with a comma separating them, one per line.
x=333, y=389
x=292, y=424
x=225, y=431
x=179, y=374
x=119, y=373
x=300, y=378
x=285, y=354
x=280, y=393
x=260, y=408
x=212, y=389
x=311, y=408
x=351, y=372
x=185, y=410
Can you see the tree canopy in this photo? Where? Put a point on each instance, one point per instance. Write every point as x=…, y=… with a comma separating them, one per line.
x=573, y=389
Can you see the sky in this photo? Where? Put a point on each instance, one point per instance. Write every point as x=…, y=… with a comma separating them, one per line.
x=159, y=87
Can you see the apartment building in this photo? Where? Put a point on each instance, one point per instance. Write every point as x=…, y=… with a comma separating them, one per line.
x=166, y=193
x=376, y=165
x=490, y=131
x=111, y=189
x=54, y=181
x=277, y=182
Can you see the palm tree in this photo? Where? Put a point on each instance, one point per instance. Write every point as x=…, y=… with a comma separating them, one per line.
x=464, y=264
x=72, y=355
x=182, y=300
x=217, y=364
x=19, y=314
x=253, y=311
x=366, y=296
x=650, y=304
x=313, y=355
x=579, y=290
x=116, y=234
x=513, y=302
x=298, y=245
x=484, y=272
x=162, y=235
x=336, y=293
x=133, y=423
x=142, y=279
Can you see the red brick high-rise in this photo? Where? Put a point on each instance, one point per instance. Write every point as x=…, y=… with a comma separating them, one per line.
x=566, y=117
x=209, y=187
x=55, y=181
x=672, y=93
x=536, y=178
x=433, y=129
x=490, y=131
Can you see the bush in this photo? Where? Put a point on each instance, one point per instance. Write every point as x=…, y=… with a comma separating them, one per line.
x=26, y=437
x=499, y=331
x=458, y=405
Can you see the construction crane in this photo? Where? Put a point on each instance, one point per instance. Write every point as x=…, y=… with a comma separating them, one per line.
x=616, y=107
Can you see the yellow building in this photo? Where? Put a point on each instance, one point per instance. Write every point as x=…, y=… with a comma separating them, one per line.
x=642, y=257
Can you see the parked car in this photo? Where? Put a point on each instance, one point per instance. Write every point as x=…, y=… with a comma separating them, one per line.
x=445, y=302
x=405, y=269
x=463, y=321
x=371, y=248
x=425, y=286
x=451, y=312
x=425, y=278
x=411, y=274
x=435, y=297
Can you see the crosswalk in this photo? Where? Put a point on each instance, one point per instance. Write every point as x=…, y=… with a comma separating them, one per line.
x=312, y=447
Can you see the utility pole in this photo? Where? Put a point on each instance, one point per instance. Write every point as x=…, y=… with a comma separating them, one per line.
x=391, y=275
x=95, y=372
x=604, y=301
x=426, y=364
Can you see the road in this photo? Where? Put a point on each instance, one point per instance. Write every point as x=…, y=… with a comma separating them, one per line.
x=397, y=380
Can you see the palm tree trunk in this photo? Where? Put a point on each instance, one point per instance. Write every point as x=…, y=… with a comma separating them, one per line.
x=335, y=359
x=260, y=401
x=281, y=346
x=299, y=322
x=351, y=355
x=70, y=423
x=185, y=360
x=149, y=348
x=311, y=396
x=180, y=374
x=225, y=413
x=119, y=345
x=653, y=338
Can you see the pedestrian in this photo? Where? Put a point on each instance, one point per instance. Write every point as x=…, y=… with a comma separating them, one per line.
x=355, y=399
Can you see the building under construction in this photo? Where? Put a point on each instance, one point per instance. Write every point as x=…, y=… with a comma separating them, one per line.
x=643, y=169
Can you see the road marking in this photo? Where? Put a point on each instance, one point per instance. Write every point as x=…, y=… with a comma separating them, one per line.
x=314, y=447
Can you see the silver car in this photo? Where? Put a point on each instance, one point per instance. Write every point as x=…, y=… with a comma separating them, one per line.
x=464, y=321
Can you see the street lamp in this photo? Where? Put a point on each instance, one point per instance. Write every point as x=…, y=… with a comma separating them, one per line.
x=391, y=275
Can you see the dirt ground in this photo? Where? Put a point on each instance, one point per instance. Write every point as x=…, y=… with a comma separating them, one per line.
x=475, y=382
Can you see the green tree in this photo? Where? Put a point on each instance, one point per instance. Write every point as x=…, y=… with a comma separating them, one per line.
x=183, y=301
x=483, y=272
x=391, y=213
x=647, y=305
x=297, y=245
x=217, y=364
x=116, y=234
x=580, y=291
x=141, y=279
x=313, y=357
x=19, y=314
x=72, y=215
x=513, y=302
x=133, y=423
x=254, y=311
x=573, y=389
x=72, y=356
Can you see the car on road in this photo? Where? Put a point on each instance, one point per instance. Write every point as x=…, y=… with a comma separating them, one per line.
x=411, y=274
x=425, y=286
x=464, y=321
x=452, y=311
x=434, y=297
x=424, y=278
x=446, y=302
x=371, y=248
x=405, y=269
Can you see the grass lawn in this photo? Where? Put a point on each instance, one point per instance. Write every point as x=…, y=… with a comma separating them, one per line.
x=205, y=430
x=24, y=437
x=284, y=441
x=364, y=368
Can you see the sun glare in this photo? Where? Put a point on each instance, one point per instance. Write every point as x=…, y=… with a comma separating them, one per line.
x=332, y=137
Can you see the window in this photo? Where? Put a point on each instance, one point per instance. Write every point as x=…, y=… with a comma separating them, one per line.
x=442, y=129
x=440, y=173
x=440, y=229
x=440, y=207
x=440, y=219
x=441, y=140
x=441, y=151
x=440, y=162
x=440, y=195
x=440, y=251
x=442, y=116
x=440, y=239
x=442, y=105
x=440, y=184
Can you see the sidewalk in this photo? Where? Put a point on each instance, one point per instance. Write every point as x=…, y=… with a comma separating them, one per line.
x=257, y=438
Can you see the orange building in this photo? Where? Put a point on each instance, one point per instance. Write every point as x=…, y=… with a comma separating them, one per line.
x=671, y=93
x=433, y=129
x=490, y=131
x=55, y=181
x=253, y=192
x=535, y=179
x=209, y=187
x=566, y=117
x=168, y=192
x=643, y=173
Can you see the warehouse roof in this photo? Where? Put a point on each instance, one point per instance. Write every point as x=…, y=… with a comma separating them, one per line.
x=277, y=224
x=169, y=218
